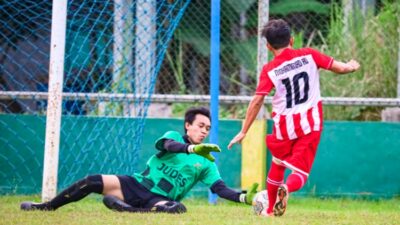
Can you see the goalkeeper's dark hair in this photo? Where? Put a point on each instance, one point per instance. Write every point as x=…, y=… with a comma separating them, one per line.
x=277, y=33
x=191, y=113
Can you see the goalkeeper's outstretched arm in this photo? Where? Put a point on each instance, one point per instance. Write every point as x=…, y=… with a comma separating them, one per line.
x=175, y=147
x=199, y=149
x=220, y=188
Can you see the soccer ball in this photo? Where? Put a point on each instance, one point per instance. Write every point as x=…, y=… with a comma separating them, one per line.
x=260, y=203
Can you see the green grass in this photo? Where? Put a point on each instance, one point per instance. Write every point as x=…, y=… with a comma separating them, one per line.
x=300, y=211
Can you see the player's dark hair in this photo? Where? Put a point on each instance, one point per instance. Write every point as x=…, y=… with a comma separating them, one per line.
x=191, y=113
x=277, y=33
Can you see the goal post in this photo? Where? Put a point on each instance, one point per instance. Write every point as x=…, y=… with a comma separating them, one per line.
x=79, y=68
x=54, y=108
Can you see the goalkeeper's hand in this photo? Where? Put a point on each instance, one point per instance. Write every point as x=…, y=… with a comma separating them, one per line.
x=204, y=150
x=248, y=197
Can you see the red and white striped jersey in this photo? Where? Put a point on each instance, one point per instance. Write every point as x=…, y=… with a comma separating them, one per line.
x=296, y=105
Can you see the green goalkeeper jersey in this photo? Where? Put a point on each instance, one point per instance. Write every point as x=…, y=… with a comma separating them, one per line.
x=173, y=174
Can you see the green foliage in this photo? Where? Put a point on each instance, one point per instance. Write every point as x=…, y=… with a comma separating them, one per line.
x=179, y=109
x=246, y=54
x=240, y=5
x=373, y=41
x=177, y=67
x=225, y=111
x=371, y=38
x=233, y=111
x=194, y=29
x=286, y=7
x=194, y=35
x=237, y=52
x=298, y=40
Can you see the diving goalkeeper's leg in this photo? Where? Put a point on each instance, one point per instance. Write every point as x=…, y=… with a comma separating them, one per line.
x=117, y=204
x=170, y=207
x=75, y=192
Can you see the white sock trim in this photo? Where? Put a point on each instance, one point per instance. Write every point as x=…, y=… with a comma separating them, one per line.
x=273, y=182
x=301, y=178
x=277, y=161
x=290, y=166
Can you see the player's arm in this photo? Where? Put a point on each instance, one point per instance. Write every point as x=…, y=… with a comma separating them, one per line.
x=220, y=188
x=344, y=68
x=173, y=146
x=204, y=150
x=252, y=111
x=264, y=87
x=328, y=63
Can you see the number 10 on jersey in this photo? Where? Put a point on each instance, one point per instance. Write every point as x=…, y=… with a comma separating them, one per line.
x=300, y=96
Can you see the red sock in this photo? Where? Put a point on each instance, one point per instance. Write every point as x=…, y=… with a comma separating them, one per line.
x=295, y=181
x=275, y=178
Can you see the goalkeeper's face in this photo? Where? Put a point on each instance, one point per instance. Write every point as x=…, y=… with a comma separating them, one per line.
x=198, y=130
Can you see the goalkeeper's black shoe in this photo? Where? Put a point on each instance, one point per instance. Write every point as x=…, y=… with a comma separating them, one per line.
x=29, y=206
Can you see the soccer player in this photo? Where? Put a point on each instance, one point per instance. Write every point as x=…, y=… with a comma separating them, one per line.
x=181, y=162
x=297, y=110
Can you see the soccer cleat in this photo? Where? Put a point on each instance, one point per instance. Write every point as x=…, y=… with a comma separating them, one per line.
x=29, y=206
x=281, y=200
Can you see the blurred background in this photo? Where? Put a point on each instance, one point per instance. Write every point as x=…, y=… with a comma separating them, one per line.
x=366, y=30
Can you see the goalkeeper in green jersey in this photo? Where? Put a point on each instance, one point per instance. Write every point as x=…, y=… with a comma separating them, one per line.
x=181, y=162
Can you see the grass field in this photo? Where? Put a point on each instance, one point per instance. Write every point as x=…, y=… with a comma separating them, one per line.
x=300, y=211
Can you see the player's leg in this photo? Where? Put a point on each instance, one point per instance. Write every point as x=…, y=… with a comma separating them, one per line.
x=128, y=195
x=282, y=197
x=119, y=188
x=295, y=181
x=162, y=204
x=123, y=194
x=300, y=162
x=158, y=203
x=173, y=207
x=274, y=180
x=75, y=192
x=116, y=204
x=279, y=149
x=138, y=199
x=112, y=186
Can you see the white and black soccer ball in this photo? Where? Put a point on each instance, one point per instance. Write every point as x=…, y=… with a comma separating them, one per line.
x=260, y=203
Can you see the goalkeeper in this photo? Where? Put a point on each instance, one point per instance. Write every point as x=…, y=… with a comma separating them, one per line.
x=181, y=162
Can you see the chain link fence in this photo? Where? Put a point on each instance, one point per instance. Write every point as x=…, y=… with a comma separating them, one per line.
x=122, y=55
x=366, y=30
x=343, y=29
x=112, y=48
x=186, y=69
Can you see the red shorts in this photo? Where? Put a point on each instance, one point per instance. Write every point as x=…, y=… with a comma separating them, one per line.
x=297, y=154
